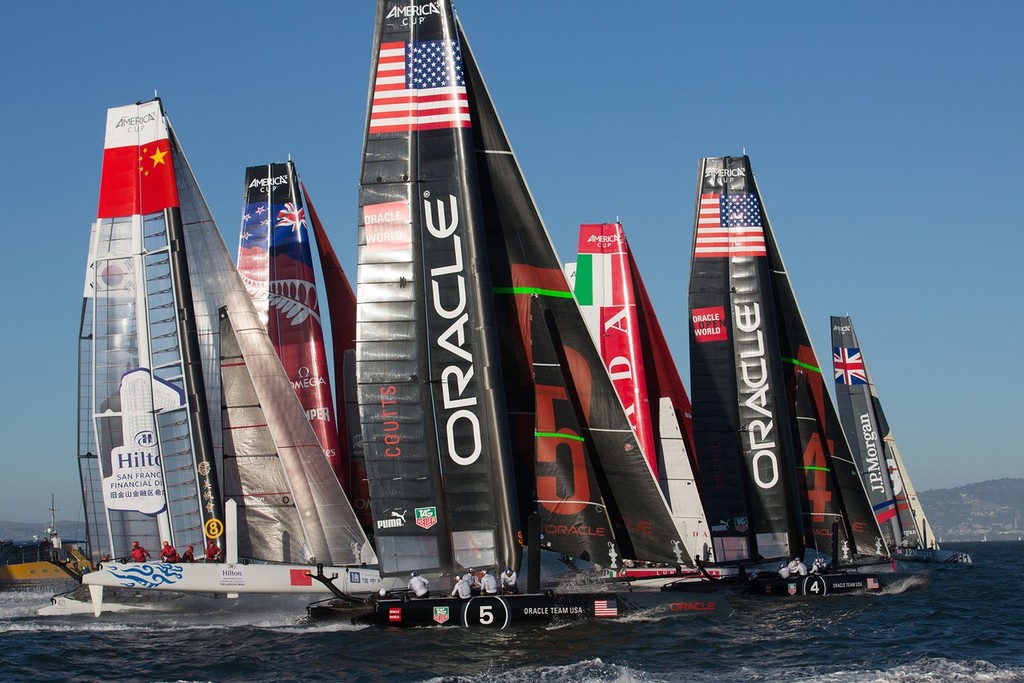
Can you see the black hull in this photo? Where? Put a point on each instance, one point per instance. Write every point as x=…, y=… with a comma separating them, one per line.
x=538, y=609
x=813, y=585
x=930, y=556
x=820, y=585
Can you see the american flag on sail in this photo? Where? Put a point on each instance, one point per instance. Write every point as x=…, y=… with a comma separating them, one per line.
x=420, y=86
x=849, y=366
x=729, y=225
x=606, y=608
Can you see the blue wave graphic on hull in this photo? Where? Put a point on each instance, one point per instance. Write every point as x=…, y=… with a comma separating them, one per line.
x=147, y=575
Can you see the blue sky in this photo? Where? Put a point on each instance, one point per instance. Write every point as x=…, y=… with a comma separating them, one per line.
x=886, y=139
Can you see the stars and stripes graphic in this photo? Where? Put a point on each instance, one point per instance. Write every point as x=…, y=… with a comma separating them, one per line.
x=420, y=85
x=606, y=608
x=872, y=584
x=849, y=366
x=729, y=225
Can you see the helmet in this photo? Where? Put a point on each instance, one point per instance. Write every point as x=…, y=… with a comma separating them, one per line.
x=190, y=547
x=508, y=570
x=136, y=543
x=413, y=574
x=470, y=570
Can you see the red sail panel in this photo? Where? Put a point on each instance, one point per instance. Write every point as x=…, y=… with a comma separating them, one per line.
x=138, y=174
x=274, y=219
x=341, y=303
x=605, y=292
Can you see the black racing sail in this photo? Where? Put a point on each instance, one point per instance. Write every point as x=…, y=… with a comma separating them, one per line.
x=481, y=393
x=885, y=477
x=435, y=436
x=537, y=313
x=774, y=464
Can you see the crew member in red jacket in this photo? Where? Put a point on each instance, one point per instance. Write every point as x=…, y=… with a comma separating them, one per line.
x=168, y=553
x=139, y=554
x=212, y=552
x=188, y=555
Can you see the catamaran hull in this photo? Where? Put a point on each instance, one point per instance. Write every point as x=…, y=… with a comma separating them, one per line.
x=536, y=609
x=931, y=555
x=820, y=585
x=229, y=578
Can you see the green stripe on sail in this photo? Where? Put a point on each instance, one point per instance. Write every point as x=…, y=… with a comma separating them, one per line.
x=815, y=467
x=585, y=279
x=797, y=363
x=533, y=290
x=557, y=435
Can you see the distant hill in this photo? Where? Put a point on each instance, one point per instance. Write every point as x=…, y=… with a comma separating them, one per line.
x=991, y=509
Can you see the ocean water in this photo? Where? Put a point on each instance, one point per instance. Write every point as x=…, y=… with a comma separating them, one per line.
x=965, y=623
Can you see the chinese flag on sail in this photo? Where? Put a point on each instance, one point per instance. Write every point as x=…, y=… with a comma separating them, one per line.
x=138, y=172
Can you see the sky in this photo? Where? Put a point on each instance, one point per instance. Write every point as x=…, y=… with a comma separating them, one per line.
x=885, y=137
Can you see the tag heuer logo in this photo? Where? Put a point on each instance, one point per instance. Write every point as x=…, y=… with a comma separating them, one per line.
x=426, y=517
x=441, y=614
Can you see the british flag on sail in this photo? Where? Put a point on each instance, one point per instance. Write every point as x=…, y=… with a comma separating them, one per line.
x=419, y=86
x=849, y=366
x=292, y=215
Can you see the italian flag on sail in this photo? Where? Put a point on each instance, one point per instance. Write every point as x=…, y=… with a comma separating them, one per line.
x=604, y=291
x=138, y=172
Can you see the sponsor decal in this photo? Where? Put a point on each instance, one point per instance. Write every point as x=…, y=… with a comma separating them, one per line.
x=709, y=324
x=695, y=606
x=577, y=529
x=354, y=577
x=426, y=517
x=394, y=614
x=231, y=575
x=873, y=584
x=553, y=610
x=756, y=408
x=300, y=577
x=387, y=226
x=791, y=588
x=741, y=524
x=462, y=437
x=389, y=423
x=441, y=614
x=134, y=123
x=395, y=520
x=871, y=455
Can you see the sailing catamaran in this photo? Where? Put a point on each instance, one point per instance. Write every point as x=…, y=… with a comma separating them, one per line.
x=900, y=515
x=778, y=478
x=467, y=431
x=619, y=314
x=184, y=403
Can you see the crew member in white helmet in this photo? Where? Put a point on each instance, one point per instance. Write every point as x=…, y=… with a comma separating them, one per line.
x=489, y=584
x=462, y=589
x=508, y=581
x=418, y=585
x=795, y=567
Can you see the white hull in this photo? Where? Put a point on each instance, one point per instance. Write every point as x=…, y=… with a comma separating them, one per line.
x=229, y=578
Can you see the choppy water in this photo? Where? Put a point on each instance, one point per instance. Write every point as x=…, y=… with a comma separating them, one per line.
x=967, y=624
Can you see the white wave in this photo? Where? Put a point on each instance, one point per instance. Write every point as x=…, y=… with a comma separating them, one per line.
x=587, y=671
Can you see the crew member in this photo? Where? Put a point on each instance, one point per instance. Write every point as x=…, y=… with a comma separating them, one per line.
x=471, y=578
x=462, y=588
x=418, y=585
x=508, y=581
x=189, y=554
x=819, y=566
x=489, y=584
x=168, y=553
x=212, y=552
x=139, y=554
x=795, y=567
